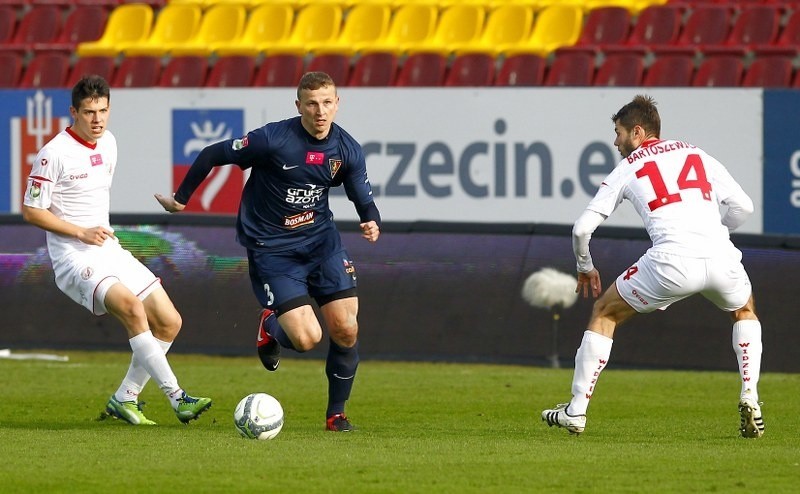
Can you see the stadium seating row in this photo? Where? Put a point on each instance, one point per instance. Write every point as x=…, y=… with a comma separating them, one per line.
x=568, y=68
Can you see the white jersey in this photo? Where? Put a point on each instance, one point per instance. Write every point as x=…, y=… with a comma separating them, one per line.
x=72, y=179
x=677, y=189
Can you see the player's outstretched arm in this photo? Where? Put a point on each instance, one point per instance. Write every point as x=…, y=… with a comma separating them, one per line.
x=169, y=203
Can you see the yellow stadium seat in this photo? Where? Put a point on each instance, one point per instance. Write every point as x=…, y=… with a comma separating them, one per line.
x=364, y=25
x=410, y=24
x=222, y=23
x=126, y=24
x=175, y=25
x=509, y=24
x=314, y=25
x=269, y=23
x=458, y=25
x=554, y=26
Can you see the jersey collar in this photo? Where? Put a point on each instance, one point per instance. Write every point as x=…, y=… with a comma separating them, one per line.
x=80, y=140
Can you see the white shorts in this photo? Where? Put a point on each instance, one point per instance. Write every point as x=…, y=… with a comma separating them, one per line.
x=659, y=279
x=85, y=276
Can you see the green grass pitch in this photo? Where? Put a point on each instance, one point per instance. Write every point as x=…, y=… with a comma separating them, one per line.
x=424, y=427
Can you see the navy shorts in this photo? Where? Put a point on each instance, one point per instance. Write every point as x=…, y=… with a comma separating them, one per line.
x=321, y=270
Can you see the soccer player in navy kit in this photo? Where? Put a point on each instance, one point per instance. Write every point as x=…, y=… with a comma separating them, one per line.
x=294, y=250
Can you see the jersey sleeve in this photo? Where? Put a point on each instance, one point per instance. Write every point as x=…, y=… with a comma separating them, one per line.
x=610, y=194
x=357, y=186
x=43, y=179
x=250, y=149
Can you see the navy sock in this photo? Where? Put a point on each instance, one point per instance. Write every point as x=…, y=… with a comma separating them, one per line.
x=275, y=330
x=340, y=368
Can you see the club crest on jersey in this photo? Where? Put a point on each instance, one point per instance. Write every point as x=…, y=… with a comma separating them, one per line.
x=335, y=165
x=240, y=143
x=44, y=162
x=96, y=159
x=313, y=158
x=87, y=273
x=298, y=220
x=36, y=188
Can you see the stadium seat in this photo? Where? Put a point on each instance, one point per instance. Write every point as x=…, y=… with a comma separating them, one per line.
x=12, y=68
x=315, y=24
x=336, y=65
x=459, y=25
x=365, y=25
x=46, y=70
x=184, y=71
x=707, y=26
x=788, y=41
x=411, y=24
x=374, y=69
x=554, y=27
x=40, y=24
x=769, y=71
x=128, y=23
x=231, y=71
x=471, y=69
x=8, y=23
x=620, y=69
x=756, y=25
x=138, y=72
x=719, y=71
x=422, y=69
x=174, y=25
x=521, y=70
x=83, y=24
x=282, y=70
x=508, y=24
x=571, y=69
x=221, y=24
x=267, y=24
x=604, y=26
x=670, y=70
x=658, y=25
x=102, y=66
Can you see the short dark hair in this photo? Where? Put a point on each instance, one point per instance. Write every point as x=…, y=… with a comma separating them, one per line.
x=641, y=111
x=314, y=80
x=90, y=86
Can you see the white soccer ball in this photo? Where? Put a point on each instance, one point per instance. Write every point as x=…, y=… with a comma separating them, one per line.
x=258, y=416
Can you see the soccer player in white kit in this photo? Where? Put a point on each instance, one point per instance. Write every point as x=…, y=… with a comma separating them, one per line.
x=68, y=196
x=677, y=189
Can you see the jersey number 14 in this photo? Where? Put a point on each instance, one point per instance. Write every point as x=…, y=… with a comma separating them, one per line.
x=663, y=196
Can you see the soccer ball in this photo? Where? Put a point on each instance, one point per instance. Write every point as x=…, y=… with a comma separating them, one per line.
x=258, y=416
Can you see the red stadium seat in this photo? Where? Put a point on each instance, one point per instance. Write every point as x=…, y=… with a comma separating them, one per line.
x=374, y=69
x=335, y=65
x=756, y=25
x=138, y=72
x=769, y=71
x=102, y=66
x=41, y=24
x=620, y=69
x=658, y=25
x=604, y=26
x=788, y=41
x=571, y=69
x=46, y=70
x=719, y=71
x=12, y=68
x=85, y=23
x=670, y=70
x=707, y=26
x=422, y=69
x=279, y=70
x=521, y=70
x=471, y=69
x=185, y=71
x=231, y=71
x=8, y=23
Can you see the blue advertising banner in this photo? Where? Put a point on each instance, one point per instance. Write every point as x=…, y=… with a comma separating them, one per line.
x=781, y=162
x=28, y=119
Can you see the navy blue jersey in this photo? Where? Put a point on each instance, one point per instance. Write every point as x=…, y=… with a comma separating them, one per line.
x=285, y=199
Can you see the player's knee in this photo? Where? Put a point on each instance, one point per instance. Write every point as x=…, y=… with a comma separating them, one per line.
x=306, y=342
x=167, y=326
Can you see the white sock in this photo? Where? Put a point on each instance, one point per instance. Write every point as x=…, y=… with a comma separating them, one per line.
x=746, y=341
x=590, y=359
x=150, y=355
x=136, y=377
